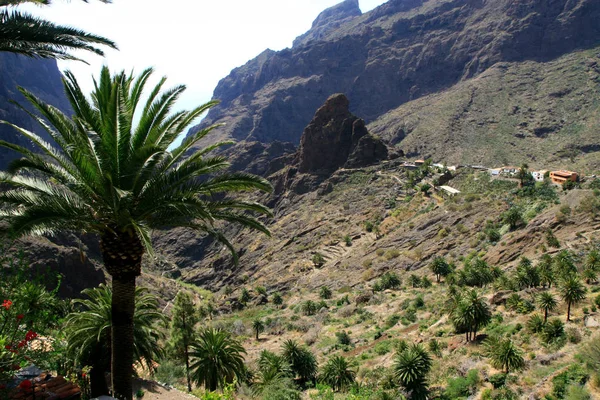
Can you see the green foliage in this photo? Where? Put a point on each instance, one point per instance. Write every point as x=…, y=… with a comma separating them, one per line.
x=389, y=280
x=578, y=392
x=318, y=260
x=504, y=354
x=572, y=291
x=343, y=338
x=435, y=348
x=281, y=389
x=513, y=217
x=535, y=324
x=348, y=240
x=277, y=299
x=497, y=380
x=302, y=362
x=476, y=272
x=551, y=240
x=217, y=359
x=499, y=394
x=590, y=354
x=258, y=327
x=440, y=268
x=337, y=373
x=414, y=281
x=392, y=320
x=572, y=375
x=309, y=307
x=547, y=303
x=182, y=330
x=88, y=330
x=411, y=367
x=554, y=331
x=469, y=313
x=261, y=290
x=169, y=372
x=325, y=293
x=459, y=388
x=244, y=296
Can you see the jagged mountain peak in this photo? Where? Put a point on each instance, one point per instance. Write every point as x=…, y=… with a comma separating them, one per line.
x=329, y=20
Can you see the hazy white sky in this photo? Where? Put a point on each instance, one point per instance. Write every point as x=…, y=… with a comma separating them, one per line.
x=194, y=42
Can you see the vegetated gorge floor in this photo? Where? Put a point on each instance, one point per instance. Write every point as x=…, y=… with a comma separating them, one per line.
x=413, y=229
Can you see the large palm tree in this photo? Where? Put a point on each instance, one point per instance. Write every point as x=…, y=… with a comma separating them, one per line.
x=23, y=33
x=108, y=175
x=572, y=291
x=337, y=373
x=88, y=333
x=217, y=359
x=301, y=360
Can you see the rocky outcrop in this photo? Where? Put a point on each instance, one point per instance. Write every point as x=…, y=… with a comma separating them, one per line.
x=401, y=51
x=329, y=20
x=335, y=138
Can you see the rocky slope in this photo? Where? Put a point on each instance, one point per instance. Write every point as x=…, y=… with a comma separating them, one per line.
x=402, y=51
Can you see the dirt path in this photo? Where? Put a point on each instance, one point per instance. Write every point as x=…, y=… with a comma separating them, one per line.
x=154, y=391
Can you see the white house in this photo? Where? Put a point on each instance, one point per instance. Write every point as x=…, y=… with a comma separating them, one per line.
x=495, y=171
x=539, y=175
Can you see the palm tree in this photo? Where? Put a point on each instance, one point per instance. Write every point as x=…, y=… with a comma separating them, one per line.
x=545, y=270
x=258, y=326
x=440, y=267
x=217, y=359
x=337, y=373
x=411, y=367
x=504, y=354
x=302, y=362
x=118, y=179
x=25, y=34
x=88, y=333
x=572, y=291
x=591, y=267
x=547, y=303
x=470, y=313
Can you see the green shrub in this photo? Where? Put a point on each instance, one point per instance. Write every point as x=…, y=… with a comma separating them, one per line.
x=392, y=320
x=348, y=240
x=261, y=290
x=573, y=375
x=343, y=338
x=462, y=387
x=318, y=260
x=325, y=292
x=578, y=392
x=554, y=331
x=497, y=380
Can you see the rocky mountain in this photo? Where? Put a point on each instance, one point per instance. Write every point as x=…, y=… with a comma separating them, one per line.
x=43, y=78
x=402, y=52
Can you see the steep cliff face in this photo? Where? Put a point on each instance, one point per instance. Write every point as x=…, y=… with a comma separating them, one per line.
x=399, y=52
x=41, y=77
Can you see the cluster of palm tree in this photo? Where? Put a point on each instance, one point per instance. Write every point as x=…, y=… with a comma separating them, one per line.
x=469, y=312
x=411, y=366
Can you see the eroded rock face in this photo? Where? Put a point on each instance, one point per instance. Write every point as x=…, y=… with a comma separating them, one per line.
x=329, y=20
x=335, y=138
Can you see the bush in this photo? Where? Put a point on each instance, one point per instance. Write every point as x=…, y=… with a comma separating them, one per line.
x=578, y=392
x=343, y=338
x=325, y=293
x=348, y=240
x=554, y=331
x=318, y=260
x=573, y=375
x=462, y=387
x=392, y=320
x=309, y=307
x=497, y=380
x=389, y=280
x=261, y=290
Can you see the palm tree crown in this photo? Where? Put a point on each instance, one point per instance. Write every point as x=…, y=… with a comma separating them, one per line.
x=504, y=354
x=337, y=373
x=218, y=359
x=411, y=367
x=25, y=34
x=547, y=303
x=572, y=291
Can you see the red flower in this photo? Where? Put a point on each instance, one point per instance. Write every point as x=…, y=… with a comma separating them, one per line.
x=21, y=344
x=16, y=367
x=6, y=304
x=30, y=336
x=8, y=347
x=83, y=375
x=25, y=385
x=20, y=317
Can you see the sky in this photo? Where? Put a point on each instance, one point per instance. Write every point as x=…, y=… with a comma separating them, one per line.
x=192, y=42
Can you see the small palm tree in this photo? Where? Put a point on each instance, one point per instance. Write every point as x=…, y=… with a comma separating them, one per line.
x=411, y=367
x=111, y=172
x=572, y=291
x=504, y=354
x=88, y=333
x=547, y=303
x=258, y=326
x=217, y=359
x=440, y=267
x=23, y=33
x=338, y=374
x=470, y=313
x=536, y=323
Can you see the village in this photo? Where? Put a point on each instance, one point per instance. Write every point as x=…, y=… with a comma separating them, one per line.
x=558, y=177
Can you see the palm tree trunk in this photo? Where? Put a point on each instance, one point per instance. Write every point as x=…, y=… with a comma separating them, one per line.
x=187, y=368
x=122, y=254
x=568, y=311
x=545, y=315
x=123, y=307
